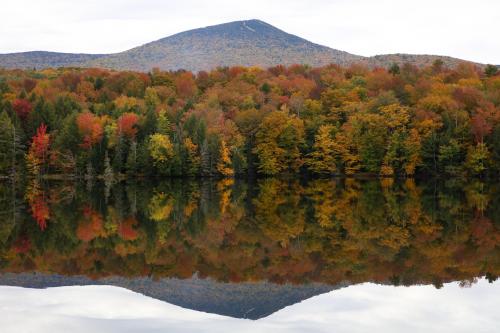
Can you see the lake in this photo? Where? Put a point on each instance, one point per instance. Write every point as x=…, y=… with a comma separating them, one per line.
x=265, y=255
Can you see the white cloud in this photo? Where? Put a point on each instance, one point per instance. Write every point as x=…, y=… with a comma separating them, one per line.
x=361, y=308
x=458, y=28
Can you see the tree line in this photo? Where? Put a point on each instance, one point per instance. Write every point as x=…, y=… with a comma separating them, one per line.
x=399, y=121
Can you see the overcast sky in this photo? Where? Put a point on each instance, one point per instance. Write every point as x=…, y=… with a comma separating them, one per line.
x=464, y=29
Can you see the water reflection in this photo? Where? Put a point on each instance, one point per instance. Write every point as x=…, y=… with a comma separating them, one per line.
x=357, y=309
x=283, y=231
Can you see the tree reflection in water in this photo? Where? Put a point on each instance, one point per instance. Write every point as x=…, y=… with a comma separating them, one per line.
x=323, y=230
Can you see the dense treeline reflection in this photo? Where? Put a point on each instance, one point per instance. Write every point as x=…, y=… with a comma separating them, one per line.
x=321, y=230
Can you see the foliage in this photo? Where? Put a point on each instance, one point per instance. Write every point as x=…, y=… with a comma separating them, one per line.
x=224, y=166
x=278, y=142
x=161, y=151
x=7, y=144
x=402, y=121
x=286, y=231
x=323, y=159
x=38, y=152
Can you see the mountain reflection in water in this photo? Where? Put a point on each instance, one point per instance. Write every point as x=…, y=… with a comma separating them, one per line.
x=361, y=308
x=216, y=246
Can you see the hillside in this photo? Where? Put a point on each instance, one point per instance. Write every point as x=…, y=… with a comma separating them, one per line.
x=43, y=59
x=245, y=43
x=419, y=60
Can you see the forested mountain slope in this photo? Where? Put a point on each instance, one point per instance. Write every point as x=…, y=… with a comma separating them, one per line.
x=240, y=43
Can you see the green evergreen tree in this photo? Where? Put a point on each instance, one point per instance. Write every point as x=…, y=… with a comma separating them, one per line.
x=163, y=126
x=119, y=157
x=7, y=145
x=490, y=70
x=108, y=170
x=131, y=165
x=394, y=69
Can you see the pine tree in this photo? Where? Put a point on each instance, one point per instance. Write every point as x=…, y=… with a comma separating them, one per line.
x=205, y=159
x=89, y=173
x=108, y=170
x=119, y=155
x=7, y=145
x=490, y=70
x=131, y=165
x=149, y=125
x=144, y=162
x=163, y=126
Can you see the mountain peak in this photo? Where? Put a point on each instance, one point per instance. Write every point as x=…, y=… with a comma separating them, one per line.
x=253, y=28
x=239, y=43
x=252, y=23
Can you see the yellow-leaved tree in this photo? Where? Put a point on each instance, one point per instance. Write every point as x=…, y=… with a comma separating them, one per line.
x=161, y=151
x=224, y=166
x=278, y=142
x=323, y=158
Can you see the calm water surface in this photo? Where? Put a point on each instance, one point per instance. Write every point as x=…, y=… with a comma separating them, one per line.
x=254, y=249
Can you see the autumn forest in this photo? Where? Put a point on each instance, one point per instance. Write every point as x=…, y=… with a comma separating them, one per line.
x=399, y=121
x=289, y=175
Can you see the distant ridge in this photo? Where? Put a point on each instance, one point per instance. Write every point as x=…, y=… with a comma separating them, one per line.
x=420, y=60
x=239, y=43
x=44, y=59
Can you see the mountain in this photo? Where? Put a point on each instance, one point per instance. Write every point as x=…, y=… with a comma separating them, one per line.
x=43, y=59
x=420, y=60
x=245, y=43
x=251, y=300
